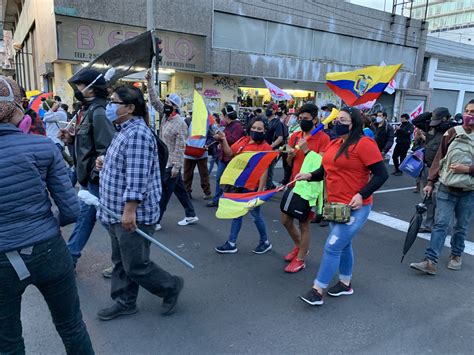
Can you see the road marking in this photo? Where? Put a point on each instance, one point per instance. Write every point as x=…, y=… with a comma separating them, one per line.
x=393, y=190
x=402, y=226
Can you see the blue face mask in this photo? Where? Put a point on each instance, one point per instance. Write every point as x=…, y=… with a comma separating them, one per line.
x=341, y=129
x=111, y=112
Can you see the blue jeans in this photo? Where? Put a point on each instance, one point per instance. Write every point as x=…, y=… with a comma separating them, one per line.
x=213, y=159
x=84, y=226
x=52, y=273
x=448, y=204
x=220, y=170
x=338, y=249
x=257, y=217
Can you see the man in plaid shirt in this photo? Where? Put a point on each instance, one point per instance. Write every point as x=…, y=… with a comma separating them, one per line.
x=130, y=185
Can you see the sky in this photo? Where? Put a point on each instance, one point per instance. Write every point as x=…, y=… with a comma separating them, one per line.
x=375, y=4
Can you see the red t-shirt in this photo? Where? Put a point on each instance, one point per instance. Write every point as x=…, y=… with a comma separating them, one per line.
x=243, y=145
x=348, y=175
x=317, y=143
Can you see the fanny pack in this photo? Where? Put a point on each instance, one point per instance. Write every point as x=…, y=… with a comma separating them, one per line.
x=337, y=212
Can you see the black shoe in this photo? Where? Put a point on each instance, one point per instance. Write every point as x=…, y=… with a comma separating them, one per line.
x=115, y=311
x=340, y=289
x=313, y=298
x=169, y=302
x=397, y=173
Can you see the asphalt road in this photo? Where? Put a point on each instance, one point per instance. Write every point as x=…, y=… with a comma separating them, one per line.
x=246, y=303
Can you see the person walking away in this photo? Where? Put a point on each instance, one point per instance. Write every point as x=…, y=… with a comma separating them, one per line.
x=453, y=168
x=302, y=143
x=275, y=137
x=191, y=161
x=53, y=115
x=403, y=134
x=434, y=125
x=173, y=133
x=354, y=169
x=130, y=186
x=233, y=131
x=32, y=250
x=91, y=138
x=252, y=143
x=384, y=134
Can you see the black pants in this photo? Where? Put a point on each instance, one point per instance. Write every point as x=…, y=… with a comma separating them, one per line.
x=52, y=272
x=175, y=185
x=133, y=267
x=399, y=154
x=286, y=169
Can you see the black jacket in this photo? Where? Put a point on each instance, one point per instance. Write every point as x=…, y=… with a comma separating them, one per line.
x=93, y=137
x=384, y=137
x=404, y=133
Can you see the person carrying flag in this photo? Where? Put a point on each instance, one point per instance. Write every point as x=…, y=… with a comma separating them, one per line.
x=254, y=142
x=302, y=142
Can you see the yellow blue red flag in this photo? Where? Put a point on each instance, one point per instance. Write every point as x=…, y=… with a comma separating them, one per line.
x=246, y=169
x=200, y=116
x=359, y=86
x=234, y=205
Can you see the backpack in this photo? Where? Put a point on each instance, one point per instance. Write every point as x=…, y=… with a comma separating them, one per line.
x=460, y=151
x=163, y=154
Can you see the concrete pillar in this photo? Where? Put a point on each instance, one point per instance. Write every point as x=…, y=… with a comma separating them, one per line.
x=397, y=104
x=459, y=102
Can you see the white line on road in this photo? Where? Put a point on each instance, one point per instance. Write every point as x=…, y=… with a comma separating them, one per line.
x=402, y=226
x=393, y=190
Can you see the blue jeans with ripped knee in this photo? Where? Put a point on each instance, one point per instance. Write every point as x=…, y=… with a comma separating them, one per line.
x=338, y=249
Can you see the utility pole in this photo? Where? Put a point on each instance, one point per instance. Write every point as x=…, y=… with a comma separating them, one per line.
x=151, y=26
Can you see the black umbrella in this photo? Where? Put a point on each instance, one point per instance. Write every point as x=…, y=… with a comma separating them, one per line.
x=414, y=227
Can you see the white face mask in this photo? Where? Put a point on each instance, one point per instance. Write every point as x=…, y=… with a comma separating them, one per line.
x=379, y=119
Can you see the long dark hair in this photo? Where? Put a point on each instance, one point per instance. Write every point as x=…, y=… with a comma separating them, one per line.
x=133, y=96
x=355, y=133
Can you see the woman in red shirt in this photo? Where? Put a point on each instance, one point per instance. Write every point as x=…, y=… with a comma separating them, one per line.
x=254, y=142
x=348, y=163
x=308, y=119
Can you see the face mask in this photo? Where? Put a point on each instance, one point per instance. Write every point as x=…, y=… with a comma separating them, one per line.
x=342, y=129
x=257, y=136
x=306, y=125
x=467, y=120
x=25, y=124
x=111, y=112
x=443, y=126
x=279, y=114
x=268, y=113
x=326, y=114
x=379, y=119
x=292, y=121
x=167, y=109
x=79, y=95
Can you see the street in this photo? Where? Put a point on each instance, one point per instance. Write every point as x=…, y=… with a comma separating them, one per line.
x=246, y=303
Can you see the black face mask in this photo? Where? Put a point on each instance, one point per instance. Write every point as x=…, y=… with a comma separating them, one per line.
x=306, y=125
x=443, y=126
x=167, y=109
x=257, y=136
x=279, y=114
x=342, y=129
x=79, y=95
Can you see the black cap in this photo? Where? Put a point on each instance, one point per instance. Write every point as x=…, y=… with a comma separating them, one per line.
x=438, y=114
x=328, y=107
x=87, y=76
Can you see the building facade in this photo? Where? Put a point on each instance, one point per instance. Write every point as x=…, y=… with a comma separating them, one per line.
x=222, y=48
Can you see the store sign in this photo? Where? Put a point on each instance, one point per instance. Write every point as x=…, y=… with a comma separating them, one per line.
x=84, y=40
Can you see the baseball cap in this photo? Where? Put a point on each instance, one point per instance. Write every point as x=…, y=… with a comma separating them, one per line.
x=88, y=76
x=174, y=99
x=438, y=114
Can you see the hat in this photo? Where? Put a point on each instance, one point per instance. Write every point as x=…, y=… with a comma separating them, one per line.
x=438, y=114
x=328, y=107
x=87, y=76
x=10, y=93
x=175, y=100
x=273, y=106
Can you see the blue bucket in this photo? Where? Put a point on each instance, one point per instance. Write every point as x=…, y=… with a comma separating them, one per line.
x=413, y=164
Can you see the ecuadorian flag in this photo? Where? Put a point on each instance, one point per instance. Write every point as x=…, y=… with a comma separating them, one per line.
x=246, y=169
x=234, y=205
x=366, y=84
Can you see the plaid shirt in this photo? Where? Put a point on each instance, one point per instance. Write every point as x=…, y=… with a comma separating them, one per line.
x=131, y=173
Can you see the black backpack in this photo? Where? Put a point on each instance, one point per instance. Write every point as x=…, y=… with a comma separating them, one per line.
x=163, y=154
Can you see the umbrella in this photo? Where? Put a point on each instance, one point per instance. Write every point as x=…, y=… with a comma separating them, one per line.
x=414, y=227
x=36, y=101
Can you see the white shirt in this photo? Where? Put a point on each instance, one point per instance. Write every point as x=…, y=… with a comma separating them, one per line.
x=51, y=119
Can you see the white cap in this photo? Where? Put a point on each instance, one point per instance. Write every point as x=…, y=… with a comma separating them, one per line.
x=175, y=100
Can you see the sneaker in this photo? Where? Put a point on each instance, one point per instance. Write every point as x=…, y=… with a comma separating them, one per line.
x=188, y=220
x=107, y=273
x=295, y=265
x=157, y=227
x=313, y=298
x=292, y=254
x=207, y=197
x=426, y=266
x=262, y=247
x=168, y=306
x=212, y=204
x=226, y=248
x=340, y=289
x=455, y=262
x=115, y=311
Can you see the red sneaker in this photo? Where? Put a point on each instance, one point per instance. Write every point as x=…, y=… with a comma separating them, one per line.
x=295, y=265
x=292, y=254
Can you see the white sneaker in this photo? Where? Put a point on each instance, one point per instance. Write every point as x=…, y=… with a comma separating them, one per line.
x=188, y=220
x=157, y=227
